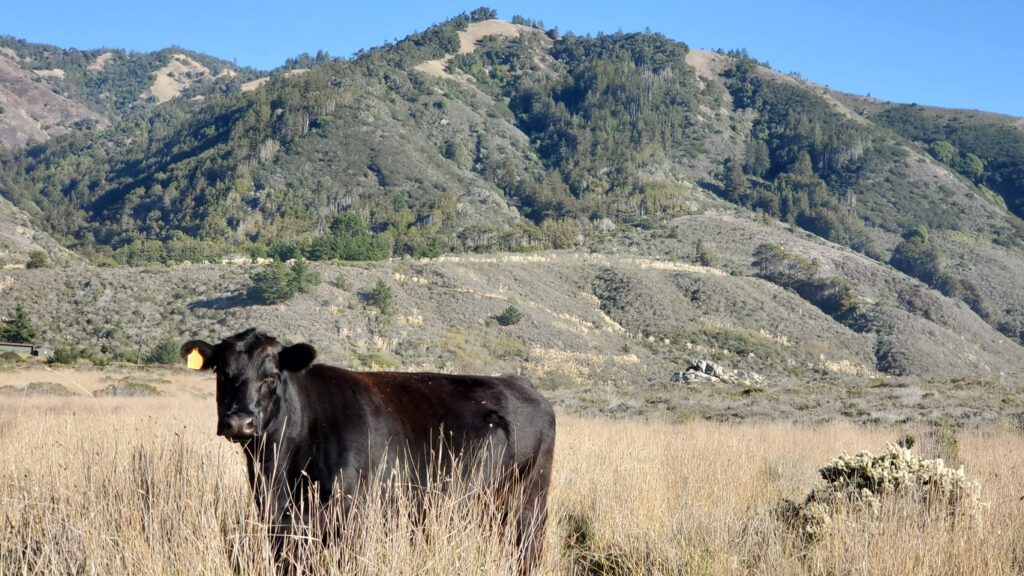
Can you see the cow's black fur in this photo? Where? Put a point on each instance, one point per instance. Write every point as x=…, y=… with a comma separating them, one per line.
x=305, y=425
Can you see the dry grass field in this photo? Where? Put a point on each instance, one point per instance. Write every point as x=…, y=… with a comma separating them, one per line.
x=142, y=486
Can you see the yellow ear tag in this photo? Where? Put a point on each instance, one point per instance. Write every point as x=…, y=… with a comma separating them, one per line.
x=195, y=360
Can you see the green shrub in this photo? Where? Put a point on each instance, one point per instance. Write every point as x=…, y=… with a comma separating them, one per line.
x=341, y=283
x=382, y=297
x=165, y=352
x=349, y=239
x=705, y=254
x=303, y=278
x=834, y=296
x=278, y=283
x=917, y=257
x=37, y=259
x=379, y=361
x=129, y=388
x=510, y=316
x=64, y=355
x=776, y=265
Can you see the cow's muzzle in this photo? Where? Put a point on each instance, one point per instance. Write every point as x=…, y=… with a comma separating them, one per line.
x=237, y=427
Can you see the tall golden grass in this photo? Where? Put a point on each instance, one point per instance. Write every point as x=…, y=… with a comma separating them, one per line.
x=118, y=486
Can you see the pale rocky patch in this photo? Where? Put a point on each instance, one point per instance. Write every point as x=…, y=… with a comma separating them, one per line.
x=100, y=61
x=707, y=64
x=174, y=78
x=54, y=73
x=469, y=40
x=255, y=84
x=259, y=82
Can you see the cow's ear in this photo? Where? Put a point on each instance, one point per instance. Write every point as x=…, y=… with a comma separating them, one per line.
x=198, y=354
x=296, y=358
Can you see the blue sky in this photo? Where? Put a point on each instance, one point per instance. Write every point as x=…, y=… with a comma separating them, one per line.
x=939, y=52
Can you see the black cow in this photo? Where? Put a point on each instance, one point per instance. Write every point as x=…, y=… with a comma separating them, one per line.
x=324, y=427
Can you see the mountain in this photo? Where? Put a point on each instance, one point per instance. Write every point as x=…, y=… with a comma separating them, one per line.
x=32, y=111
x=19, y=239
x=839, y=237
x=47, y=91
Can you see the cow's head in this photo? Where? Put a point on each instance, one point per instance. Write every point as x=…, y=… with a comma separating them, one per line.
x=249, y=367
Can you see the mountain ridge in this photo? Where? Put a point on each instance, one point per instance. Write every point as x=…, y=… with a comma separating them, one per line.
x=893, y=232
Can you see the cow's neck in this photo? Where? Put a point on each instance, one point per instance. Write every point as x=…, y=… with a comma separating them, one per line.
x=270, y=451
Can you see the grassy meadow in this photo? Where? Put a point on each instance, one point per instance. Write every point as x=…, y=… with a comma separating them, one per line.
x=142, y=486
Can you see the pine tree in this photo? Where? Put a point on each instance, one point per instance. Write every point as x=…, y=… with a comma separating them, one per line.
x=303, y=277
x=382, y=297
x=274, y=283
x=736, y=186
x=18, y=328
x=757, y=160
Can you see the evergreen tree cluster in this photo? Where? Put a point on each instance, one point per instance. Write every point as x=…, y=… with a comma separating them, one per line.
x=804, y=158
x=834, y=296
x=619, y=102
x=278, y=282
x=298, y=169
x=116, y=87
x=18, y=328
x=983, y=149
x=918, y=256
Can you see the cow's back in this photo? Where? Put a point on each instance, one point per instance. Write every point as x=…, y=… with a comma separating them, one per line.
x=499, y=425
x=467, y=410
x=423, y=412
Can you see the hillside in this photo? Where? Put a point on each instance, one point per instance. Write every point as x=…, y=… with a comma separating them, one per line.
x=31, y=111
x=863, y=257
x=47, y=91
x=19, y=239
x=600, y=333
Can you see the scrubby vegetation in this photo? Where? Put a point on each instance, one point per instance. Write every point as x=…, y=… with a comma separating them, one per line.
x=128, y=387
x=805, y=156
x=984, y=148
x=37, y=259
x=865, y=482
x=166, y=351
x=37, y=389
x=917, y=256
x=688, y=202
x=117, y=86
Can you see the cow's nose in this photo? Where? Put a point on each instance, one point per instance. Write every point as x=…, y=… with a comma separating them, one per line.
x=237, y=427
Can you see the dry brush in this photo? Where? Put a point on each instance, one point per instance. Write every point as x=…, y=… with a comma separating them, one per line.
x=142, y=486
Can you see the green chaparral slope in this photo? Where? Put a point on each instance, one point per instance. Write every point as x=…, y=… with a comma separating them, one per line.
x=865, y=257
